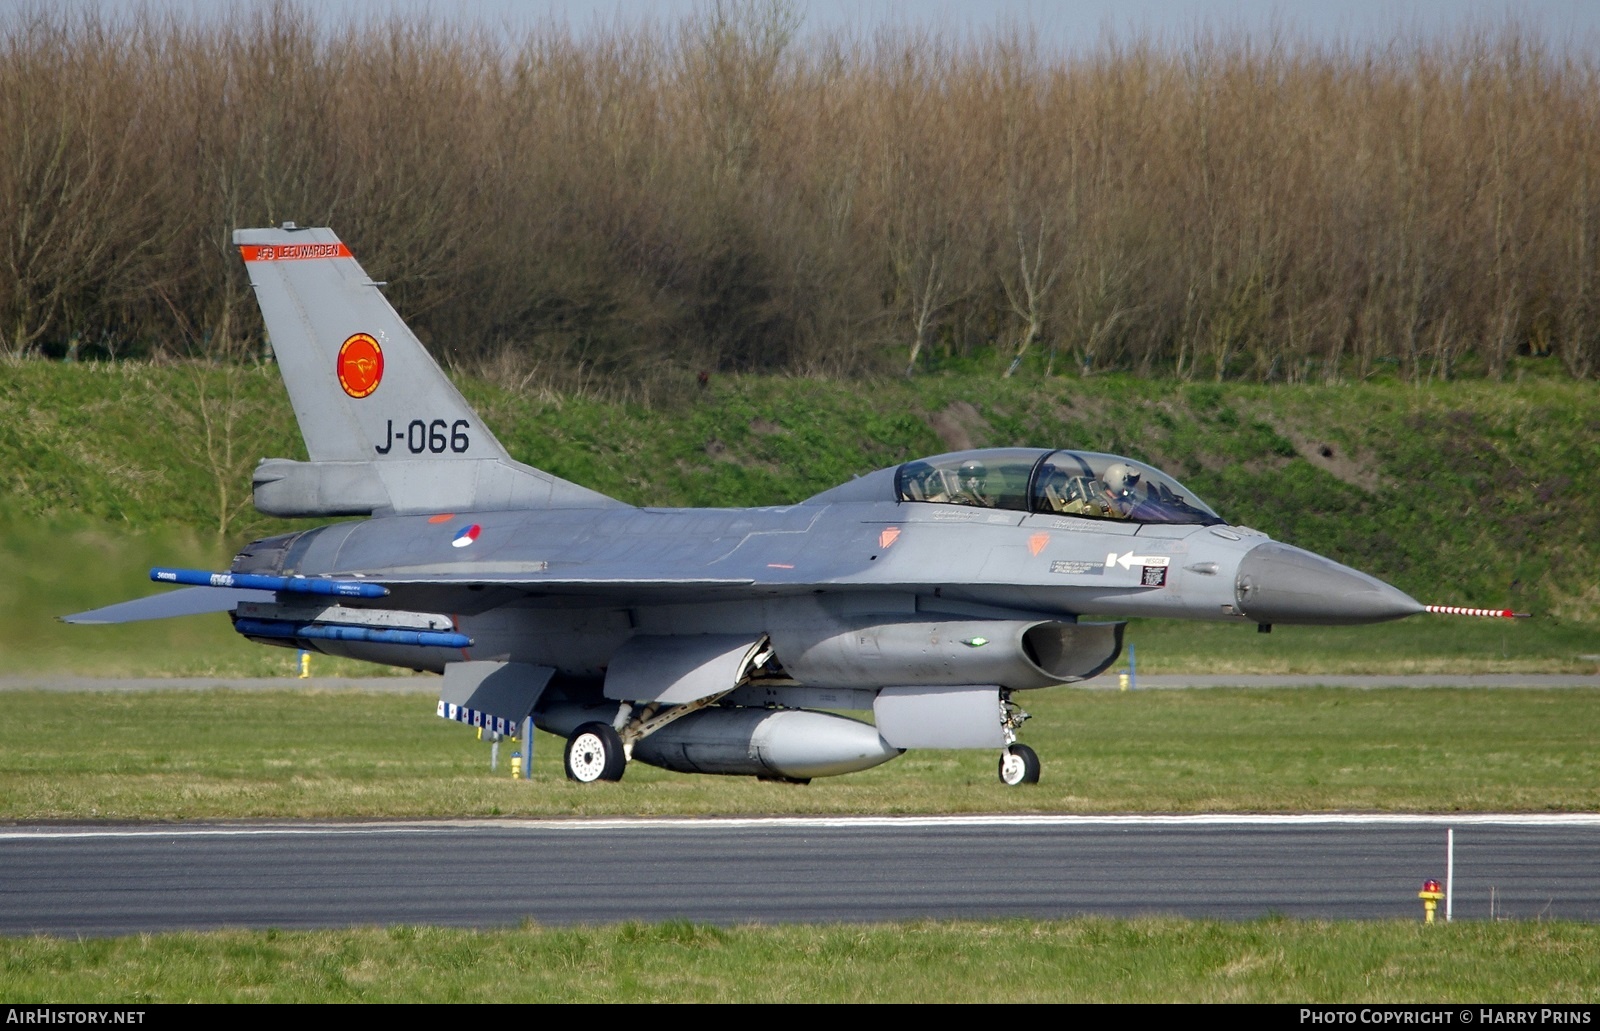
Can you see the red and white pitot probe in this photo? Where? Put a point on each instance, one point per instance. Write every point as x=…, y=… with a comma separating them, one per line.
x=1457, y=610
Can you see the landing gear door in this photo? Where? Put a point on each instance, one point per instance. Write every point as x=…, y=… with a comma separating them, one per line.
x=676, y=670
x=940, y=717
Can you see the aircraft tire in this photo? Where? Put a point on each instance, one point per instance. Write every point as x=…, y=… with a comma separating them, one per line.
x=594, y=753
x=1019, y=764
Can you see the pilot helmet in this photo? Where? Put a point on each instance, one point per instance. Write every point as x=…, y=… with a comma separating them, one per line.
x=972, y=472
x=1123, y=479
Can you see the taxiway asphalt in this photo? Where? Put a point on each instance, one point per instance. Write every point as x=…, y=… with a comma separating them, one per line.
x=113, y=880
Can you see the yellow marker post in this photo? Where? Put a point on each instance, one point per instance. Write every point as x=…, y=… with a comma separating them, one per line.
x=516, y=765
x=1430, y=896
x=305, y=665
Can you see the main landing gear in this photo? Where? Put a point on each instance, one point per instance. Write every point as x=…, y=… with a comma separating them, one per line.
x=599, y=751
x=594, y=753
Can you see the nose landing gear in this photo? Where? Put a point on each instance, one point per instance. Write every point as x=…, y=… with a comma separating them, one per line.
x=1019, y=764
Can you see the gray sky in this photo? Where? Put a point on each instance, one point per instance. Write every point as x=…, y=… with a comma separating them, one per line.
x=1069, y=24
x=1079, y=23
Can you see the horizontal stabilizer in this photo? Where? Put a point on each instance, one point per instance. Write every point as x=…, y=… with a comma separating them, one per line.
x=191, y=601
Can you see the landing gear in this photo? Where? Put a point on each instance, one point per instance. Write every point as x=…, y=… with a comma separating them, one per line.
x=1019, y=764
x=594, y=753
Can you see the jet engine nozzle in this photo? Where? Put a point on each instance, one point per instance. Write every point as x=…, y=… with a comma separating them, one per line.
x=1278, y=583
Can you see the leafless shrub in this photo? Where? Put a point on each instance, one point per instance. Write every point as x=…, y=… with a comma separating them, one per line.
x=639, y=205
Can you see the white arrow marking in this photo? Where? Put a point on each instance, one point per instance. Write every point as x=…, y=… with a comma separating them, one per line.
x=1129, y=560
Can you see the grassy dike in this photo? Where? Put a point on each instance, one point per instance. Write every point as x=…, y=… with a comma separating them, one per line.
x=1465, y=493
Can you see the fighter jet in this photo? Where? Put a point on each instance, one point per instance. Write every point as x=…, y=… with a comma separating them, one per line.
x=932, y=594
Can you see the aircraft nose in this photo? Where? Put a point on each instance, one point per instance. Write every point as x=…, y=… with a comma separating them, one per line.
x=1282, y=584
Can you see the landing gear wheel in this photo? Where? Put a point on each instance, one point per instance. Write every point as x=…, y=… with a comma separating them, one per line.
x=1019, y=765
x=594, y=752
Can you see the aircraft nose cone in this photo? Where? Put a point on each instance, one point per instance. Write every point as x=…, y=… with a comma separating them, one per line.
x=1282, y=584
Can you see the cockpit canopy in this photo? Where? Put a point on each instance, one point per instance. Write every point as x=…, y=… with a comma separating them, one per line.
x=1075, y=483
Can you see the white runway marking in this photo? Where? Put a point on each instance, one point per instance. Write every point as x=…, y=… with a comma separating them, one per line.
x=816, y=823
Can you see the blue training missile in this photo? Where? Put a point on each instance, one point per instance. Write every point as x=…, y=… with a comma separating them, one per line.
x=259, y=582
x=288, y=630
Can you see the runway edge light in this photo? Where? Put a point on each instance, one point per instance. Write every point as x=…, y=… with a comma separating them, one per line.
x=1430, y=896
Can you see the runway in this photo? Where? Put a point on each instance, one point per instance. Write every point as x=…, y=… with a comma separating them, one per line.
x=115, y=880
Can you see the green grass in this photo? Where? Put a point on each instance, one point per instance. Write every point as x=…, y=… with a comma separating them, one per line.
x=1081, y=960
x=61, y=565
x=183, y=755
x=1419, y=644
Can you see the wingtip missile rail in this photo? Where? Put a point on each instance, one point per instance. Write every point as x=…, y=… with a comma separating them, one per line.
x=260, y=582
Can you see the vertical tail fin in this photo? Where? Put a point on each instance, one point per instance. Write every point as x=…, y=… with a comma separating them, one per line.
x=384, y=427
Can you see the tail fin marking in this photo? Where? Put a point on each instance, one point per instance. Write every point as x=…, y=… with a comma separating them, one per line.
x=385, y=429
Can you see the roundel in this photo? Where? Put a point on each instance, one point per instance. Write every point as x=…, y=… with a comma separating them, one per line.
x=360, y=365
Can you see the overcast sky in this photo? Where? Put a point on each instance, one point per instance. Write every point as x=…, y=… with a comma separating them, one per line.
x=1069, y=24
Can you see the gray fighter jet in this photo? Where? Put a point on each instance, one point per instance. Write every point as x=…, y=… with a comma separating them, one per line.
x=705, y=640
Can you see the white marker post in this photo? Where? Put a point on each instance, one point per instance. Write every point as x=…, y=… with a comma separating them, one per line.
x=1449, y=871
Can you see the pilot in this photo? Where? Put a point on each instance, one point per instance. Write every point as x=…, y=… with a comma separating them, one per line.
x=1124, y=484
x=972, y=485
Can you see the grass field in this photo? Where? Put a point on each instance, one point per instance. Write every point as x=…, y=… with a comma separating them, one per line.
x=1082, y=960
x=179, y=755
